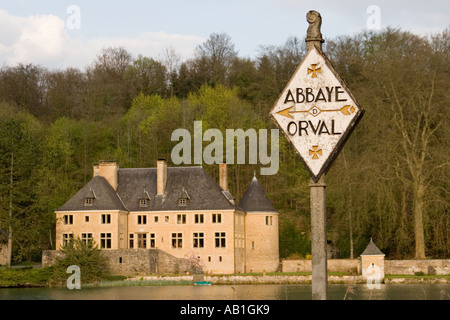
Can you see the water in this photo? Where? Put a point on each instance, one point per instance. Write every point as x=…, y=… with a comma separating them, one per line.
x=229, y=292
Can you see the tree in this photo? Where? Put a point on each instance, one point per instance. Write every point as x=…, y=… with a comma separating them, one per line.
x=87, y=256
x=20, y=145
x=146, y=76
x=213, y=59
x=108, y=93
x=24, y=85
x=65, y=95
x=399, y=146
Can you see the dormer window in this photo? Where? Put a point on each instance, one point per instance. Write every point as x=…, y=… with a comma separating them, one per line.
x=144, y=200
x=89, y=200
x=183, y=198
x=143, y=203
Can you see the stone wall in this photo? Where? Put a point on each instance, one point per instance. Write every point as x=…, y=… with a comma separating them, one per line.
x=334, y=265
x=396, y=267
x=132, y=261
x=3, y=254
x=410, y=267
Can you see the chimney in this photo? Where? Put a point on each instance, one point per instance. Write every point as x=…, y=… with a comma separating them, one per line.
x=223, y=176
x=96, y=170
x=108, y=170
x=161, y=176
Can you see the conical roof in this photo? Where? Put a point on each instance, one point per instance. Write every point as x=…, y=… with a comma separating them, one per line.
x=255, y=199
x=372, y=250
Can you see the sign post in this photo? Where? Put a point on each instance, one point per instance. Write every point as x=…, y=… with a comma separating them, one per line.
x=317, y=113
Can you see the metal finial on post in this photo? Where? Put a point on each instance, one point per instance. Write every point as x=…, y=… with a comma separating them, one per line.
x=314, y=34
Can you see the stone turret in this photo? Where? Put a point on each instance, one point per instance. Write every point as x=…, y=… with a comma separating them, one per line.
x=261, y=230
x=372, y=262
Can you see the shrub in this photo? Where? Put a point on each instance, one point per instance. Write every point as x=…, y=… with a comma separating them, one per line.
x=87, y=256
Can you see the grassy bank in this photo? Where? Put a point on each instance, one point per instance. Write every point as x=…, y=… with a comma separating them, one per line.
x=44, y=277
x=28, y=277
x=25, y=277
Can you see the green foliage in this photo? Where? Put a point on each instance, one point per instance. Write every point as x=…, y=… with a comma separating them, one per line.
x=87, y=256
x=293, y=242
x=57, y=124
x=25, y=277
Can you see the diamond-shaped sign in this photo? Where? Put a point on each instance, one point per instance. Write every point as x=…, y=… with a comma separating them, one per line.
x=317, y=113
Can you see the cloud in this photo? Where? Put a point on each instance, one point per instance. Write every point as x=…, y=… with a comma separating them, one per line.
x=45, y=40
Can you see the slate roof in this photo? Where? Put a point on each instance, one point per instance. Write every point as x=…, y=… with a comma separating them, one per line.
x=255, y=199
x=372, y=250
x=103, y=195
x=194, y=184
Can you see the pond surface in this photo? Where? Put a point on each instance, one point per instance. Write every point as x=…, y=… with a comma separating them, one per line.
x=229, y=292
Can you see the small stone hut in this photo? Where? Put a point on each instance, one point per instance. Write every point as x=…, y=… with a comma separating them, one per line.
x=372, y=262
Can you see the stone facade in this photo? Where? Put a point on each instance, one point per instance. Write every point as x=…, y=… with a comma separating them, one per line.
x=3, y=248
x=372, y=262
x=410, y=267
x=3, y=254
x=180, y=211
x=351, y=266
x=262, y=242
x=133, y=262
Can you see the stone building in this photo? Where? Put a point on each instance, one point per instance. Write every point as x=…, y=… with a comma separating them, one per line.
x=372, y=262
x=180, y=211
x=3, y=247
x=261, y=230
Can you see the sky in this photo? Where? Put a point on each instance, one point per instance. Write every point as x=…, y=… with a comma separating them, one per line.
x=59, y=34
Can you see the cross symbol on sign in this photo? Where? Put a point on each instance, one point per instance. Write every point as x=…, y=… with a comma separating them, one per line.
x=315, y=152
x=314, y=70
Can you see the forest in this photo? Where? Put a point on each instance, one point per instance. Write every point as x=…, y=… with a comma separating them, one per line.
x=390, y=182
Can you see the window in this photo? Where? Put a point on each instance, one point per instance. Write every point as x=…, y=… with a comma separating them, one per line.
x=156, y=219
x=105, y=240
x=68, y=219
x=88, y=202
x=142, y=241
x=220, y=259
x=199, y=218
x=181, y=218
x=152, y=240
x=143, y=203
x=106, y=219
x=220, y=238
x=87, y=238
x=182, y=202
x=86, y=219
x=67, y=239
x=269, y=220
x=199, y=239
x=131, y=239
x=217, y=218
x=177, y=240
x=142, y=220
x=209, y=259
x=166, y=218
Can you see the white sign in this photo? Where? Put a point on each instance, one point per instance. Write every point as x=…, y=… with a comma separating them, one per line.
x=316, y=112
